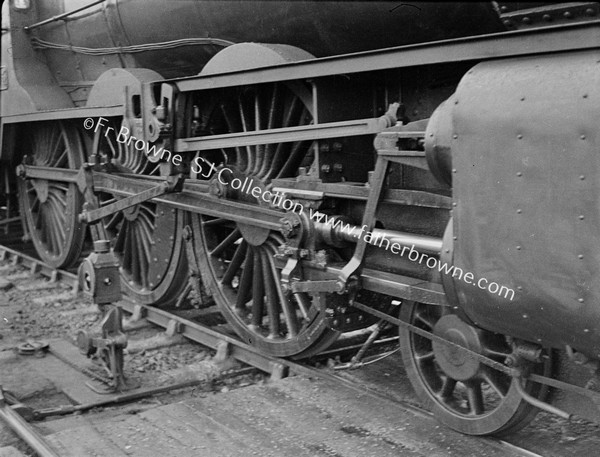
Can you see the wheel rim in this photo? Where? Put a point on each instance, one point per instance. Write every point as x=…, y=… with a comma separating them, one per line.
x=237, y=261
x=147, y=238
x=51, y=208
x=464, y=394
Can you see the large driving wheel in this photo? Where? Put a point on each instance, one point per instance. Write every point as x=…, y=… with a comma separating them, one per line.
x=51, y=208
x=237, y=260
x=462, y=392
x=147, y=238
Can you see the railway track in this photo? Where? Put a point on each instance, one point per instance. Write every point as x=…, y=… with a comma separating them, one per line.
x=227, y=347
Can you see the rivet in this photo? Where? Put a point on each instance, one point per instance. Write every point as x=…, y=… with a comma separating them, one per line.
x=151, y=284
x=455, y=307
x=519, y=211
x=525, y=316
x=526, y=20
x=519, y=136
x=156, y=259
x=507, y=23
x=585, y=95
x=522, y=99
x=590, y=12
x=455, y=238
x=518, y=248
x=567, y=14
x=447, y=250
x=454, y=170
x=455, y=136
x=431, y=134
x=580, y=300
x=519, y=287
x=519, y=173
x=582, y=177
x=581, y=217
x=454, y=203
x=539, y=340
x=456, y=102
x=580, y=256
x=547, y=17
x=582, y=137
x=586, y=330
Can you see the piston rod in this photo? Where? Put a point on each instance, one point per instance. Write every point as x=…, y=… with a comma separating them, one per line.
x=336, y=232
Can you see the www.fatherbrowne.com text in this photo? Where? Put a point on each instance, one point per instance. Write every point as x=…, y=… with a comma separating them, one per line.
x=204, y=169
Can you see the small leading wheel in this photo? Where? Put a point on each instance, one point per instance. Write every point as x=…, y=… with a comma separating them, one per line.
x=147, y=238
x=463, y=393
x=51, y=208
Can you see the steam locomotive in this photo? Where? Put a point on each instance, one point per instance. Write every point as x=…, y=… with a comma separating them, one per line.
x=435, y=164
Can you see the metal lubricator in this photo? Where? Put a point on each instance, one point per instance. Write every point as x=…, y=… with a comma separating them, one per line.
x=99, y=278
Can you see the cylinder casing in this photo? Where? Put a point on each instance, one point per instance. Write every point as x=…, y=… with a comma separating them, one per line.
x=525, y=161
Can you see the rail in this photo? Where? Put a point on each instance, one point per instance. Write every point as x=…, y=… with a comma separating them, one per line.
x=211, y=338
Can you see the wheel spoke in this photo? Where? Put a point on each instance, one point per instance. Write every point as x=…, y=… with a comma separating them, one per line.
x=227, y=242
x=258, y=291
x=303, y=304
x=245, y=127
x=240, y=155
x=427, y=320
x=272, y=299
x=127, y=247
x=259, y=150
x=121, y=235
x=448, y=386
x=217, y=221
x=245, y=281
x=496, y=381
x=426, y=358
x=235, y=264
x=133, y=253
x=475, y=397
x=295, y=158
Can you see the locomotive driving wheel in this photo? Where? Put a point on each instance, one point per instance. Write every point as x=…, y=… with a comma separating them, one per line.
x=462, y=392
x=51, y=208
x=147, y=238
x=237, y=260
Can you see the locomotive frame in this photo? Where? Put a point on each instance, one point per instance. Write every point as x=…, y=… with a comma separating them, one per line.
x=287, y=284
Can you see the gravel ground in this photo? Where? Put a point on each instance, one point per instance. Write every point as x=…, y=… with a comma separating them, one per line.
x=33, y=308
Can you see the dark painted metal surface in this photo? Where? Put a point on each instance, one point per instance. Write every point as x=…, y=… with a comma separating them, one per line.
x=471, y=49
x=525, y=150
x=319, y=27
